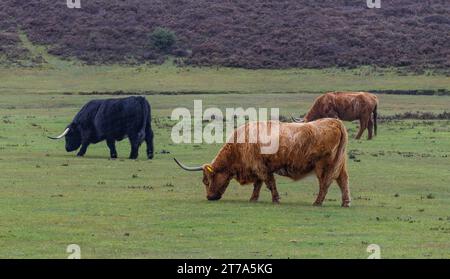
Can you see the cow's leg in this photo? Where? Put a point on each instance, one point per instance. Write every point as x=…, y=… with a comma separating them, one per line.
x=271, y=184
x=135, y=144
x=333, y=114
x=149, y=141
x=324, y=183
x=256, y=189
x=112, y=148
x=363, y=122
x=83, y=149
x=342, y=181
x=370, y=128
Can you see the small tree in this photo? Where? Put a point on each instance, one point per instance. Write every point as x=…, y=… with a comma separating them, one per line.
x=163, y=38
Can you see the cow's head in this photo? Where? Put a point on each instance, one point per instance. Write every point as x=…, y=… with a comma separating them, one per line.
x=215, y=181
x=72, y=135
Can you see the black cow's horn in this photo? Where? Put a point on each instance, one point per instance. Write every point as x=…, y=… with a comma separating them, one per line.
x=188, y=168
x=62, y=135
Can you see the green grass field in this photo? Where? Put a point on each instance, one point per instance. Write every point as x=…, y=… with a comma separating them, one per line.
x=152, y=209
x=74, y=78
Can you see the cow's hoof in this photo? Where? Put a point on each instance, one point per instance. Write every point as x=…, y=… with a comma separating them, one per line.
x=317, y=204
x=150, y=156
x=277, y=201
x=346, y=204
x=254, y=200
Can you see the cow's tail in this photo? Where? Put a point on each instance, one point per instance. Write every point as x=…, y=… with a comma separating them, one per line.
x=375, y=116
x=145, y=119
x=340, y=159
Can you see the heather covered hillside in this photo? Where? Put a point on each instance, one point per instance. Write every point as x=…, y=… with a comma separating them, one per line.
x=236, y=33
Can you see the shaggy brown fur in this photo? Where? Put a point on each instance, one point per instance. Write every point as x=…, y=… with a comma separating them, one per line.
x=347, y=106
x=318, y=147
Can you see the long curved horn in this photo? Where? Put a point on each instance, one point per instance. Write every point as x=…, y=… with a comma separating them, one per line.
x=66, y=131
x=297, y=120
x=187, y=168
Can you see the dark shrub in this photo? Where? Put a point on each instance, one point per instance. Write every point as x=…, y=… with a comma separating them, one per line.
x=163, y=38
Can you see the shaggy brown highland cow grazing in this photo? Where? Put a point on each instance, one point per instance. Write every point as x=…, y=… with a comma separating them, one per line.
x=347, y=106
x=318, y=146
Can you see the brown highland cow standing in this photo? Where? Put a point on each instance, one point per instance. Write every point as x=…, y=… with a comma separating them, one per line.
x=317, y=147
x=347, y=106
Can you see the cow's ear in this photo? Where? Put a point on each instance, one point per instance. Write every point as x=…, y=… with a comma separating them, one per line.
x=209, y=168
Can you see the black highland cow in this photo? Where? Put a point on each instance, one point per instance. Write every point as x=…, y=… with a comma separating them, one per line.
x=111, y=120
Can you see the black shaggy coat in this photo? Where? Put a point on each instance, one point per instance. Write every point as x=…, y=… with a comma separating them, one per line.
x=112, y=120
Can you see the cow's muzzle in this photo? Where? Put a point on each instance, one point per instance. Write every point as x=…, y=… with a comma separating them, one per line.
x=214, y=197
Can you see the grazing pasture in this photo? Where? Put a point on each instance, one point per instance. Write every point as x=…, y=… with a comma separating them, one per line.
x=400, y=181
